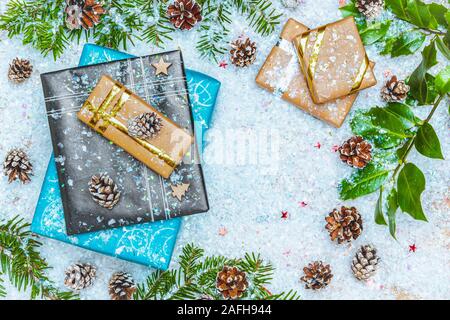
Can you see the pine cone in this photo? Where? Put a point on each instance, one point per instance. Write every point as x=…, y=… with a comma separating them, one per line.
x=19, y=70
x=356, y=152
x=231, y=282
x=145, y=126
x=83, y=13
x=17, y=165
x=365, y=262
x=344, y=224
x=395, y=90
x=121, y=286
x=317, y=275
x=370, y=8
x=104, y=191
x=243, y=53
x=80, y=276
x=184, y=14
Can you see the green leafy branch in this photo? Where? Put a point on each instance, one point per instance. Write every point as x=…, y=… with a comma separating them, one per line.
x=42, y=24
x=21, y=262
x=395, y=131
x=416, y=22
x=196, y=277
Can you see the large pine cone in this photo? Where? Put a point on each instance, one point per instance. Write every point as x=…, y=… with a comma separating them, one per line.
x=19, y=70
x=121, y=286
x=184, y=14
x=356, y=152
x=243, y=53
x=83, y=13
x=395, y=90
x=317, y=275
x=231, y=282
x=365, y=262
x=80, y=276
x=104, y=191
x=17, y=166
x=145, y=126
x=344, y=224
x=370, y=8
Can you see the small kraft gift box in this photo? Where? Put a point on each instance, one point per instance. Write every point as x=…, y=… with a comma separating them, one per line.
x=281, y=74
x=334, y=60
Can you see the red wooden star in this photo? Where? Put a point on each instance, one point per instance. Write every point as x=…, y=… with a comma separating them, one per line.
x=412, y=248
x=317, y=145
x=223, y=64
x=284, y=214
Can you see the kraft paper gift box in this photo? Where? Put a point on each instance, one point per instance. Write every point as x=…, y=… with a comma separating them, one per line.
x=334, y=60
x=149, y=244
x=281, y=74
x=80, y=152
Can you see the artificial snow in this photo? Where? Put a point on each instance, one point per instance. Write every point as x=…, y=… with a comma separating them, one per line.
x=285, y=171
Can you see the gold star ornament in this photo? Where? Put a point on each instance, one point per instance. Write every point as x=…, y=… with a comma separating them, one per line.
x=161, y=67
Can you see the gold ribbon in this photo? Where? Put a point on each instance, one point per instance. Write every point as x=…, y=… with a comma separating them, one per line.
x=108, y=119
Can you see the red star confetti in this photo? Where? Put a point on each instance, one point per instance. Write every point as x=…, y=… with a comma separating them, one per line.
x=342, y=3
x=335, y=148
x=223, y=231
x=284, y=214
x=412, y=248
x=223, y=64
x=302, y=204
x=317, y=145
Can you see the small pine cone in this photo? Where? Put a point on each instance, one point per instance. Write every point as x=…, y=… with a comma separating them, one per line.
x=317, y=275
x=145, y=126
x=344, y=224
x=80, y=276
x=356, y=152
x=83, y=13
x=395, y=90
x=370, y=8
x=121, y=286
x=243, y=53
x=231, y=282
x=365, y=262
x=184, y=14
x=104, y=191
x=17, y=166
x=19, y=70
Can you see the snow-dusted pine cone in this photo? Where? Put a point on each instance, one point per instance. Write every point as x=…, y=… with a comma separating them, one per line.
x=121, y=286
x=231, y=282
x=145, y=126
x=317, y=275
x=370, y=8
x=356, y=152
x=365, y=262
x=83, y=13
x=80, y=276
x=104, y=191
x=395, y=90
x=184, y=14
x=17, y=166
x=19, y=70
x=344, y=225
x=243, y=52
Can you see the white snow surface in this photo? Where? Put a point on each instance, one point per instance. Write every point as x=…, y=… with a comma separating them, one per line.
x=247, y=199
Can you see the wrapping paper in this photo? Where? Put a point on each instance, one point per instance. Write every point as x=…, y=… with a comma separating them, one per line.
x=281, y=74
x=150, y=244
x=334, y=60
x=80, y=152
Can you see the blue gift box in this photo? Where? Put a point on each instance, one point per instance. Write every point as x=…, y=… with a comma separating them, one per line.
x=150, y=244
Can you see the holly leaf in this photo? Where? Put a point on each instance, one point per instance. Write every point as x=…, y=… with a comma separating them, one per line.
x=374, y=32
x=363, y=182
x=404, y=113
x=407, y=43
x=419, y=14
x=427, y=142
x=442, y=82
x=410, y=185
x=418, y=81
x=443, y=48
x=401, y=151
x=398, y=7
x=438, y=11
x=379, y=218
x=392, y=206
